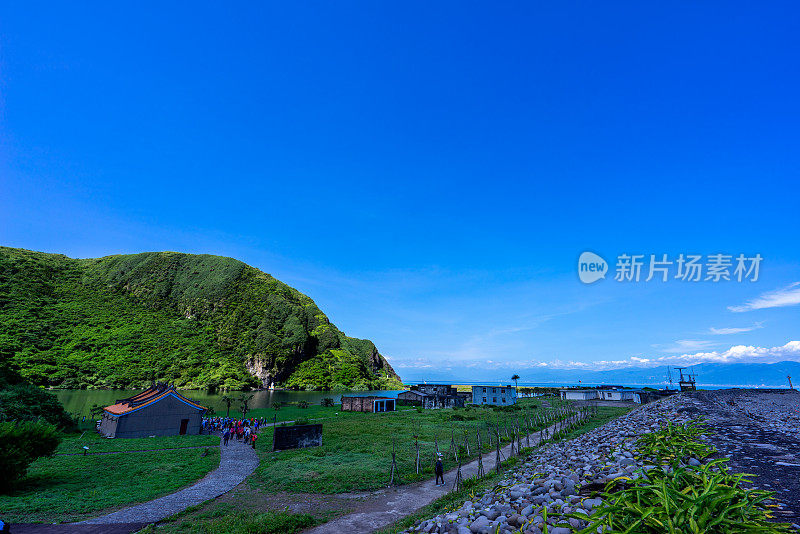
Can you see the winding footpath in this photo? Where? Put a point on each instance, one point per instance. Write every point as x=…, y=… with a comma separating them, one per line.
x=237, y=461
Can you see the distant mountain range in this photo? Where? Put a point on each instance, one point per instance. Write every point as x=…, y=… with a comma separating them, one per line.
x=707, y=374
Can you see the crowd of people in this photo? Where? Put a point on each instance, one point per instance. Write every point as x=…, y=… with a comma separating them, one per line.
x=242, y=430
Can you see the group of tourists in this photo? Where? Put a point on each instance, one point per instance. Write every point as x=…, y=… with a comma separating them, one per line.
x=242, y=430
x=218, y=424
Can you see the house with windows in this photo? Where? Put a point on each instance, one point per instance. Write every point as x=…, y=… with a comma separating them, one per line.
x=494, y=395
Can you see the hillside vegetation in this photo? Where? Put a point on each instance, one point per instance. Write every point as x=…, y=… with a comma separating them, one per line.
x=199, y=321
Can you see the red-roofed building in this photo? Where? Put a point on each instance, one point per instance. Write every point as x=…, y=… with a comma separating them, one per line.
x=157, y=411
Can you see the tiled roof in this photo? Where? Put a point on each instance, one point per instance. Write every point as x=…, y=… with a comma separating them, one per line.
x=147, y=397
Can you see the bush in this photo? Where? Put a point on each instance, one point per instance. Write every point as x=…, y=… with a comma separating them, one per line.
x=302, y=404
x=24, y=402
x=327, y=402
x=20, y=445
x=301, y=421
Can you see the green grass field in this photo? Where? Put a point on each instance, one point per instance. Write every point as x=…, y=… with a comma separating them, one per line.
x=96, y=443
x=226, y=519
x=70, y=488
x=357, y=448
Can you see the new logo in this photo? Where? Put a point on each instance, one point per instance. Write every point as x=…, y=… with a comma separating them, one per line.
x=591, y=267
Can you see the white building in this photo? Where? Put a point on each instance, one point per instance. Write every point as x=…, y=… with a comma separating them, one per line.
x=578, y=394
x=624, y=395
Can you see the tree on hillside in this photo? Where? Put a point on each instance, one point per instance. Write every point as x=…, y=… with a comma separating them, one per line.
x=515, y=378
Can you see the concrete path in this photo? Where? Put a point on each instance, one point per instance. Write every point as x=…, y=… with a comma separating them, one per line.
x=237, y=461
x=387, y=506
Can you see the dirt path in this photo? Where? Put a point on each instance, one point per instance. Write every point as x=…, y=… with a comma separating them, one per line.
x=384, y=507
x=237, y=461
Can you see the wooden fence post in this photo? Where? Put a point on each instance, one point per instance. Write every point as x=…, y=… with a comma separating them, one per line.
x=394, y=466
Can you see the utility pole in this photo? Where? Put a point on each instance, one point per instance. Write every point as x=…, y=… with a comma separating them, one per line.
x=790, y=381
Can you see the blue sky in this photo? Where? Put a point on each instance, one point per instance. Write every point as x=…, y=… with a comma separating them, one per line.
x=429, y=174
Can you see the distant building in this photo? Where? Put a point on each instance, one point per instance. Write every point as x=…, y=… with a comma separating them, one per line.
x=578, y=394
x=638, y=396
x=431, y=396
x=411, y=398
x=494, y=395
x=436, y=389
x=158, y=411
x=628, y=395
x=368, y=404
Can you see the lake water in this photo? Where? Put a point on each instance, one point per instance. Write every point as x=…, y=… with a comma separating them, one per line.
x=80, y=401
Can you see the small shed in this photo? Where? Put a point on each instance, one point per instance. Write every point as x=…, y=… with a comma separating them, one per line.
x=158, y=411
x=626, y=395
x=368, y=404
x=578, y=394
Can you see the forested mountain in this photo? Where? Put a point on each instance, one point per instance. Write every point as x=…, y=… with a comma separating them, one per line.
x=199, y=321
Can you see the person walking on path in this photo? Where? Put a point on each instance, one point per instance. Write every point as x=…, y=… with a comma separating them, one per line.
x=253, y=438
x=226, y=436
x=438, y=468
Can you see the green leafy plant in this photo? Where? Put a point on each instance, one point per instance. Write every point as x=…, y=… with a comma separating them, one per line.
x=708, y=499
x=674, y=444
x=327, y=402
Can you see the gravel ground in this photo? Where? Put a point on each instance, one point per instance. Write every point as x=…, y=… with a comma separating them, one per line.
x=758, y=432
x=552, y=477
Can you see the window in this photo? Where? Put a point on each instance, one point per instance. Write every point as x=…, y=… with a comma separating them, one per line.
x=484, y=390
x=503, y=390
x=484, y=399
x=494, y=399
x=504, y=399
x=494, y=390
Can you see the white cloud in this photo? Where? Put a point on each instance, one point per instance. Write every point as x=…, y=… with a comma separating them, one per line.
x=734, y=330
x=686, y=345
x=787, y=296
x=738, y=354
x=735, y=354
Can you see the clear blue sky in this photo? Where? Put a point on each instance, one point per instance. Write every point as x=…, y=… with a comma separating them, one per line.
x=427, y=172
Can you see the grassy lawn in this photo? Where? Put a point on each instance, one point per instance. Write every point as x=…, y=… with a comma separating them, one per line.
x=357, y=448
x=289, y=412
x=71, y=488
x=227, y=519
x=96, y=443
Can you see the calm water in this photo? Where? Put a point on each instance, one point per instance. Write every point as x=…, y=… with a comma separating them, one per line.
x=79, y=401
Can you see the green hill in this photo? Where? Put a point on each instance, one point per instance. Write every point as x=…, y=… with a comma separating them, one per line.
x=199, y=321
